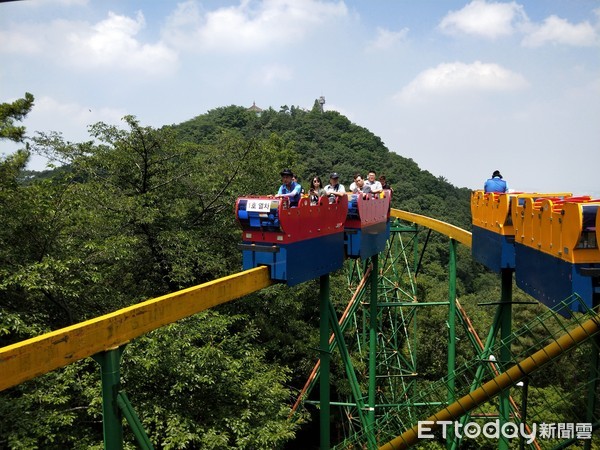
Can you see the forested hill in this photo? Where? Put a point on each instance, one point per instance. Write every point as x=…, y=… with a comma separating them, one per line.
x=321, y=142
x=139, y=212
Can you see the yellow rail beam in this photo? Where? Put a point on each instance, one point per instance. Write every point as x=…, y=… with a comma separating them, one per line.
x=42, y=354
x=502, y=381
x=39, y=355
x=462, y=236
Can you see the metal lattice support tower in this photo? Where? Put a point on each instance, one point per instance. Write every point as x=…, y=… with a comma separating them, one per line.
x=402, y=400
x=379, y=329
x=389, y=395
x=395, y=382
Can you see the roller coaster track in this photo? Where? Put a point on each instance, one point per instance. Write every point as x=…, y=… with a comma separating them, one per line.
x=34, y=357
x=510, y=377
x=39, y=355
x=453, y=232
x=42, y=354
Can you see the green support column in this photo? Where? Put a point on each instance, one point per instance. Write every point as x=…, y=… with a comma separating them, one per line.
x=325, y=362
x=524, y=394
x=594, y=368
x=111, y=417
x=373, y=314
x=505, y=354
x=479, y=374
x=451, y=333
x=350, y=373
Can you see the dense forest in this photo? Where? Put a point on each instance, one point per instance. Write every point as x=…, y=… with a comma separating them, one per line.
x=137, y=212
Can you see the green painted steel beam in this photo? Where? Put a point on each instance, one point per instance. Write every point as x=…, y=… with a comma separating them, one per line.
x=351, y=374
x=451, y=331
x=110, y=362
x=134, y=422
x=505, y=353
x=325, y=358
x=373, y=328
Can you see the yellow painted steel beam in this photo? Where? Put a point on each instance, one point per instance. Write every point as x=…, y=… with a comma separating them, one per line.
x=493, y=387
x=36, y=356
x=39, y=355
x=462, y=236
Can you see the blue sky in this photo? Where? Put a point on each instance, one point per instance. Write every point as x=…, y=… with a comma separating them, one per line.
x=461, y=87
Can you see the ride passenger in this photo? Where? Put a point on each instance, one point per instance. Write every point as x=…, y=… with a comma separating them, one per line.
x=334, y=188
x=373, y=184
x=358, y=184
x=386, y=187
x=289, y=189
x=495, y=184
x=384, y=183
x=316, y=190
x=295, y=180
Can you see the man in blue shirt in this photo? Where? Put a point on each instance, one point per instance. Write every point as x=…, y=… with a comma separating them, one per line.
x=289, y=189
x=495, y=184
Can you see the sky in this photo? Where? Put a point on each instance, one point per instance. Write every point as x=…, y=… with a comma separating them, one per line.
x=463, y=88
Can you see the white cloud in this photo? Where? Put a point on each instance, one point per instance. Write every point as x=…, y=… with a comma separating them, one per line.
x=490, y=20
x=555, y=30
x=21, y=40
x=271, y=74
x=386, y=38
x=457, y=77
x=493, y=20
x=110, y=43
x=250, y=26
x=57, y=115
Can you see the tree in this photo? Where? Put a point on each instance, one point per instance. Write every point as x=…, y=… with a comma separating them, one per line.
x=11, y=112
x=11, y=202
x=135, y=215
x=202, y=383
x=13, y=165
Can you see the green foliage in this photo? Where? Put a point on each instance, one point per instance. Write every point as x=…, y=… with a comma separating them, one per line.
x=61, y=409
x=136, y=216
x=202, y=384
x=133, y=216
x=11, y=112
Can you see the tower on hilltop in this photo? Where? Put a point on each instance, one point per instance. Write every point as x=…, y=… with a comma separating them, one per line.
x=255, y=109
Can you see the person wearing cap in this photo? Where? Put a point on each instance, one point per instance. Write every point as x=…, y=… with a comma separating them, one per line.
x=289, y=188
x=495, y=184
x=334, y=188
